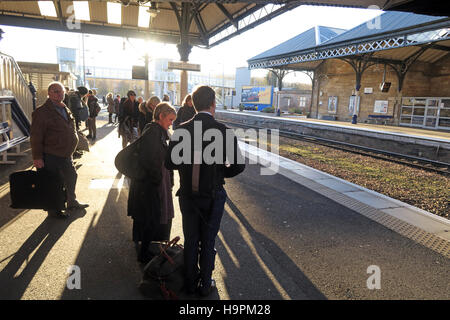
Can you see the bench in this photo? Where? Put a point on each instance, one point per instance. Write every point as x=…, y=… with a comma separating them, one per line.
x=383, y=118
x=327, y=117
x=6, y=143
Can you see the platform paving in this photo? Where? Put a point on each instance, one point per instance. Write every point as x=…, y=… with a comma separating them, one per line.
x=296, y=234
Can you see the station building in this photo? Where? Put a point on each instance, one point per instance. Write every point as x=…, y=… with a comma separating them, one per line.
x=394, y=69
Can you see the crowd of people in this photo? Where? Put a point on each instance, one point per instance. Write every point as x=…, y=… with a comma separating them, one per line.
x=150, y=204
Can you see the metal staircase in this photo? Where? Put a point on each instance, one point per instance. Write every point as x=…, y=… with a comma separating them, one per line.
x=16, y=107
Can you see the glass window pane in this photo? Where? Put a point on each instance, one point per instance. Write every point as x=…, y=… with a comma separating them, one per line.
x=431, y=112
x=444, y=113
x=408, y=101
x=114, y=13
x=81, y=10
x=419, y=111
x=405, y=119
x=417, y=120
x=445, y=103
x=144, y=17
x=444, y=123
x=47, y=8
x=430, y=122
x=432, y=102
x=406, y=110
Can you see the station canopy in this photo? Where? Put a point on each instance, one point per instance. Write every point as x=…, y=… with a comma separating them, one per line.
x=196, y=22
x=396, y=39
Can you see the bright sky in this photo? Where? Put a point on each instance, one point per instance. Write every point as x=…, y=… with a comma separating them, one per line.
x=40, y=45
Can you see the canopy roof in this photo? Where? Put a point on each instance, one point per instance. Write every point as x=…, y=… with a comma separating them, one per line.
x=203, y=23
x=393, y=38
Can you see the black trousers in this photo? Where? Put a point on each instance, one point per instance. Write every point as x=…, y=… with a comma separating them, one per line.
x=201, y=223
x=64, y=167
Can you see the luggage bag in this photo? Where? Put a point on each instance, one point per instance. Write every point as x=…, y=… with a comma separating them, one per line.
x=164, y=274
x=40, y=189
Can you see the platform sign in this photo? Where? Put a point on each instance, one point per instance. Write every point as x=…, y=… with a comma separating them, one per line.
x=139, y=73
x=183, y=66
x=381, y=106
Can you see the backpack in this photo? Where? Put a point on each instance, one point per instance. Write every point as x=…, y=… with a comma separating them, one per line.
x=94, y=106
x=79, y=110
x=164, y=274
x=127, y=161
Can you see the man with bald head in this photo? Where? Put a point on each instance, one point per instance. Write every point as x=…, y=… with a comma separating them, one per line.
x=53, y=141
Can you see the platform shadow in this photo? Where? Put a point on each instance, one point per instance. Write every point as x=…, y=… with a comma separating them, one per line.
x=248, y=262
x=21, y=269
x=107, y=257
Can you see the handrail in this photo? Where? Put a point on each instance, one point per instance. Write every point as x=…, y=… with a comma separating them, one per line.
x=12, y=83
x=17, y=115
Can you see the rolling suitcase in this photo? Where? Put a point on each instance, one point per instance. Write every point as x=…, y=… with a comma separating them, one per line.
x=40, y=189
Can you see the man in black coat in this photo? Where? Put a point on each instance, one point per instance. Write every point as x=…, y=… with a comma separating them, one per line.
x=202, y=163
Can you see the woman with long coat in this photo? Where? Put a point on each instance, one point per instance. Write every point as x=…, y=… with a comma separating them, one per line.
x=150, y=201
x=111, y=107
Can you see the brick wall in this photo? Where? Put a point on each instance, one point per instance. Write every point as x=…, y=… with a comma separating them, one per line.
x=337, y=78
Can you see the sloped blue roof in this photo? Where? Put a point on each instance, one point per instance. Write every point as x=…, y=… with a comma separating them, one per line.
x=386, y=22
x=302, y=41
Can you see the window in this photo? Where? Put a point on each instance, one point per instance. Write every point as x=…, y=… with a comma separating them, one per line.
x=115, y=13
x=144, y=17
x=302, y=102
x=81, y=10
x=47, y=8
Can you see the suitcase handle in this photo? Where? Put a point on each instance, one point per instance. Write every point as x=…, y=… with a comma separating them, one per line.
x=171, y=243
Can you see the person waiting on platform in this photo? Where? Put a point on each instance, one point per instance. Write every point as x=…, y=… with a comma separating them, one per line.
x=111, y=107
x=186, y=112
x=53, y=140
x=77, y=102
x=150, y=201
x=201, y=194
x=127, y=121
x=94, y=109
x=146, y=112
x=116, y=107
x=166, y=98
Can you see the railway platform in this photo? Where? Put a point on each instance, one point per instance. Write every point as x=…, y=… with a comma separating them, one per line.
x=420, y=143
x=292, y=233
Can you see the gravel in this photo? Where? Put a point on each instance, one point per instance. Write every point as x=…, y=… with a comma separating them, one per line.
x=423, y=189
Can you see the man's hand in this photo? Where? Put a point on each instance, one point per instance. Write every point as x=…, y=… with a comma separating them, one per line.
x=39, y=163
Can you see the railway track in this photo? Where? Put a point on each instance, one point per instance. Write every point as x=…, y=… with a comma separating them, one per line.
x=407, y=160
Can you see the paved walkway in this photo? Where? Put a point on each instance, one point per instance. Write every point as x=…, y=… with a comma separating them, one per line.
x=291, y=235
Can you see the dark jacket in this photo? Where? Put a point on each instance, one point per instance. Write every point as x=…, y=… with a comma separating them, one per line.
x=144, y=195
x=51, y=133
x=92, y=103
x=184, y=114
x=211, y=175
x=130, y=109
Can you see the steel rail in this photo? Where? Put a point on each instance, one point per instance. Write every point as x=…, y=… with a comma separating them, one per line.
x=427, y=164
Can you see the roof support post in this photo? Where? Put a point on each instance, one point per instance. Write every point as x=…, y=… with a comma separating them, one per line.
x=280, y=74
x=184, y=47
x=404, y=67
x=359, y=63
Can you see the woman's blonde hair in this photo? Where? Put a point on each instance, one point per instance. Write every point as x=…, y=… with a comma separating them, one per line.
x=163, y=109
